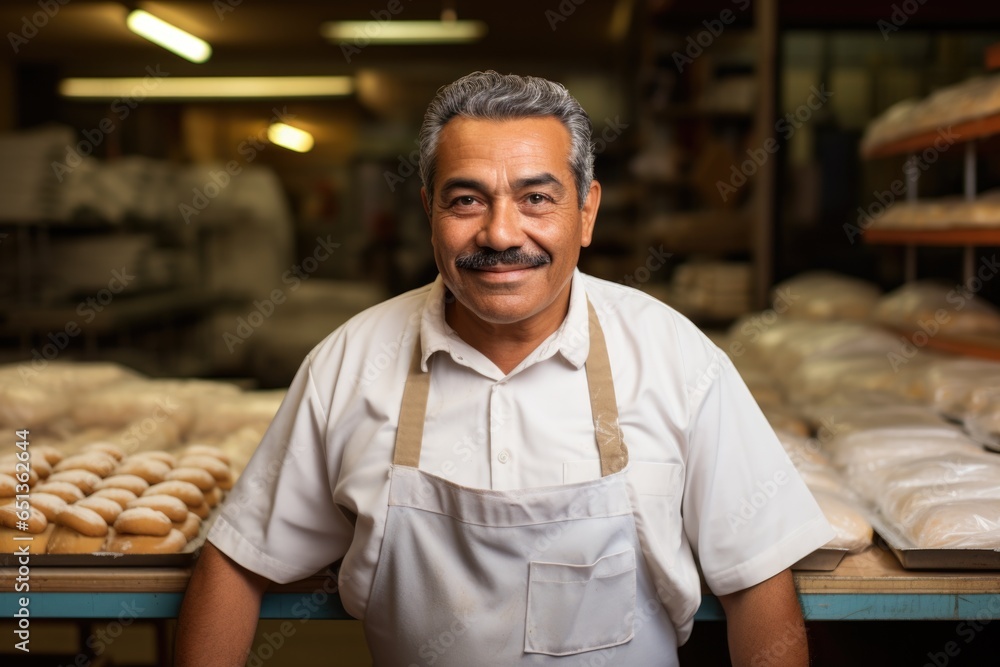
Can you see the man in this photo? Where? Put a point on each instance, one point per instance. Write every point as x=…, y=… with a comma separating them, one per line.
x=519, y=458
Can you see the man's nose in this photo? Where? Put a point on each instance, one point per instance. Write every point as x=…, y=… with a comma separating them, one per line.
x=501, y=227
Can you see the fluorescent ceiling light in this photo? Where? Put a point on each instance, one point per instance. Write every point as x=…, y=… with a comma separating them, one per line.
x=403, y=32
x=290, y=137
x=208, y=87
x=168, y=36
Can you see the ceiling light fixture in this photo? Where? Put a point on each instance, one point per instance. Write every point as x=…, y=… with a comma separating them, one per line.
x=207, y=87
x=168, y=36
x=404, y=32
x=290, y=137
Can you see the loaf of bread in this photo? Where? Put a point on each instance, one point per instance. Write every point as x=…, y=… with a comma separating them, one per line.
x=137, y=485
x=128, y=543
x=853, y=531
x=172, y=507
x=105, y=507
x=36, y=527
x=86, y=480
x=68, y=492
x=152, y=470
x=961, y=524
x=99, y=463
x=142, y=521
x=78, y=530
x=121, y=496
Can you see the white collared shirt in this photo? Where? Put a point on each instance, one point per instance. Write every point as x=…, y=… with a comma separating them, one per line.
x=712, y=480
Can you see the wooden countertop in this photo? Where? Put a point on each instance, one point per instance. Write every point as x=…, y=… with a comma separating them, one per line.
x=871, y=572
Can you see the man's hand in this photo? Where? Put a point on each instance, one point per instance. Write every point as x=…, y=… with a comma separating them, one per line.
x=219, y=614
x=765, y=625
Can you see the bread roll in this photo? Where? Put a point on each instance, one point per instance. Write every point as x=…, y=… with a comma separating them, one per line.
x=51, y=455
x=961, y=524
x=68, y=492
x=190, y=527
x=107, y=508
x=121, y=496
x=153, y=471
x=86, y=480
x=114, y=451
x=202, y=510
x=197, y=476
x=11, y=470
x=47, y=504
x=126, y=543
x=173, y=507
x=219, y=470
x=206, y=450
x=65, y=540
x=96, y=462
x=82, y=520
x=130, y=482
x=142, y=521
x=13, y=540
x=213, y=497
x=186, y=491
x=158, y=455
x=853, y=530
x=8, y=486
x=35, y=523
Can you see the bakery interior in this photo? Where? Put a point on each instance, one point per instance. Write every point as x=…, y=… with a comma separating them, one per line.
x=815, y=185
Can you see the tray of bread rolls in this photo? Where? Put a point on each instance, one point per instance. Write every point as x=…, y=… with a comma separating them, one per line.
x=102, y=507
x=946, y=538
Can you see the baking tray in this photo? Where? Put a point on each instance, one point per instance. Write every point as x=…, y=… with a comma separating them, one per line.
x=823, y=559
x=912, y=557
x=183, y=558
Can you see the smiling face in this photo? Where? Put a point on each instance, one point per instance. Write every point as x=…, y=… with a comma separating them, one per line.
x=505, y=221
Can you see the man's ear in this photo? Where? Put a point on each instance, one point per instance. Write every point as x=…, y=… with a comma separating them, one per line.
x=426, y=202
x=589, y=213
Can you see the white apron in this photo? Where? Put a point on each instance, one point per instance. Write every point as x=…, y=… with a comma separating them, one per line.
x=543, y=576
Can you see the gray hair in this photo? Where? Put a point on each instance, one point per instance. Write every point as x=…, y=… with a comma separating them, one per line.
x=492, y=96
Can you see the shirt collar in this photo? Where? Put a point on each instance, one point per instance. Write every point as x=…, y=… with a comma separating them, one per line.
x=571, y=339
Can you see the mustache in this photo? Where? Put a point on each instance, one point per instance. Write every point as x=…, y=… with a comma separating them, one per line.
x=514, y=256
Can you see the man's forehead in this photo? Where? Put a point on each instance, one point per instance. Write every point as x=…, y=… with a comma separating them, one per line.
x=511, y=141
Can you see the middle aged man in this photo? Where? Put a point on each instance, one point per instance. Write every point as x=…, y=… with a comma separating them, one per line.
x=517, y=463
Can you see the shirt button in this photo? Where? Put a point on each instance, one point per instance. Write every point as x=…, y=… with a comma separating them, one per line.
x=503, y=456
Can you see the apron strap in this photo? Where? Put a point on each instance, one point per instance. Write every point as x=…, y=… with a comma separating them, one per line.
x=410, y=432
x=604, y=406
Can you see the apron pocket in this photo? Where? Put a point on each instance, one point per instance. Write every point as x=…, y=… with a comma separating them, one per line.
x=577, y=608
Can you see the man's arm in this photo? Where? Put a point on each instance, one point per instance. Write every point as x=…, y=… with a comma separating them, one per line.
x=219, y=614
x=765, y=625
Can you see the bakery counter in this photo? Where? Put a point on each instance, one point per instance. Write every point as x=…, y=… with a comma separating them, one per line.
x=864, y=587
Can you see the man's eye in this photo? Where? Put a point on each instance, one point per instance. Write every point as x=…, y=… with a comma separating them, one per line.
x=465, y=201
x=535, y=198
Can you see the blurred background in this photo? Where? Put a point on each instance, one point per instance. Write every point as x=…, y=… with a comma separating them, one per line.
x=238, y=254
x=214, y=215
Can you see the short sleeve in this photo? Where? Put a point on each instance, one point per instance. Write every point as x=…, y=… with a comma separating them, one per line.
x=280, y=520
x=747, y=513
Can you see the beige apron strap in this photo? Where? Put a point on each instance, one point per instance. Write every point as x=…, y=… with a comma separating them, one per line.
x=610, y=445
x=410, y=432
